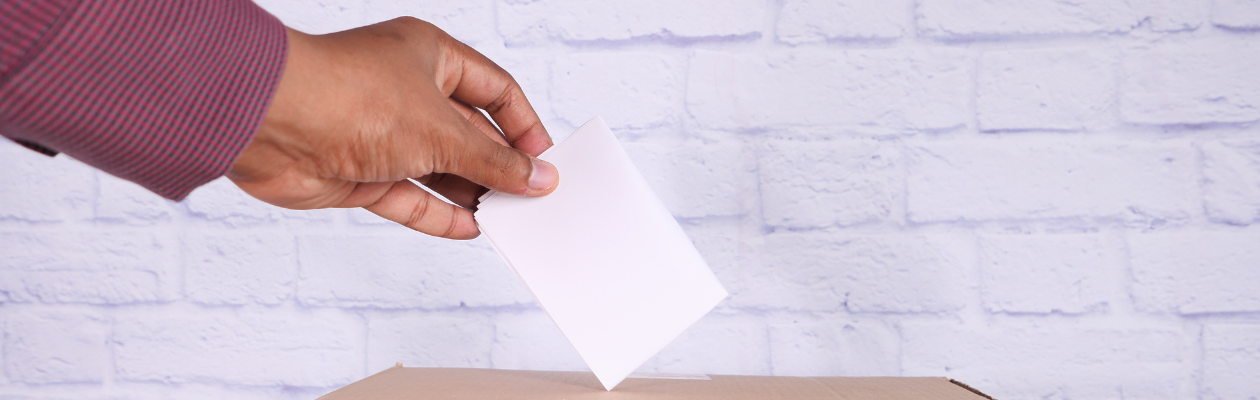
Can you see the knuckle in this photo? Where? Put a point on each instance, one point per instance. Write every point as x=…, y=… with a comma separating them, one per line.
x=418, y=212
x=506, y=98
x=451, y=226
x=503, y=161
x=410, y=22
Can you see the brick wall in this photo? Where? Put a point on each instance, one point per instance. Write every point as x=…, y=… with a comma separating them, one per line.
x=1043, y=198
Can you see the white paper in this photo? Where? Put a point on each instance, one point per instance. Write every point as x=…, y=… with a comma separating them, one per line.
x=603, y=256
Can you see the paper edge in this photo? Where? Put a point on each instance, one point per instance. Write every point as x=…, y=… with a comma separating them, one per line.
x=538, y=302
x=659, y=204
x=492, y=193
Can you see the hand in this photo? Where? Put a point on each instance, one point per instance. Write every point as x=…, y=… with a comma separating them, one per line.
x=359, y=112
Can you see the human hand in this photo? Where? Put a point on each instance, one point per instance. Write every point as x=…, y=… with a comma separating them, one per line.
x=359, y=112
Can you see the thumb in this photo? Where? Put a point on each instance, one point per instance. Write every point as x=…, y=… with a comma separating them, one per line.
x=502, y=168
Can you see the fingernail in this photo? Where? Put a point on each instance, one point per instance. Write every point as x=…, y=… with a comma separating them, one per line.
x=543, y=176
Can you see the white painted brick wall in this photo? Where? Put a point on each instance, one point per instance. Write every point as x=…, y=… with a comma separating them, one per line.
x=835, y=347
x=529, y=340
x=890, y=88
x=1230, y=367
x=416, y=272
x=1047, y=89
x=1057, y=177
x=1074, y=359
x=570, y=21
x=1192, y=82
x=816, y=184
x=1231, y=189
x=1016, y=277
x=708, y=346
x=255, y=347
x=239, y=268
x=861, y=273
x=76, y=354
x=1196, y=272
x=1044, y=199
x=696, y=177
x=956, y=19
x=437, y=340
x=647, y=86
x=804, y=21
x=1236, y=14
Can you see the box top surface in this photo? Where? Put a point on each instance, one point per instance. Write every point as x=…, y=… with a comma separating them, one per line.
x=486, y=384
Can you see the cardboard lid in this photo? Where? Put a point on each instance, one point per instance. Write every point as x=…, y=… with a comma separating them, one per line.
x=400, y=383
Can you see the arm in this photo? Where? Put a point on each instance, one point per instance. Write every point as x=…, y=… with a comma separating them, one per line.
x=173, y=94
x=164, y=93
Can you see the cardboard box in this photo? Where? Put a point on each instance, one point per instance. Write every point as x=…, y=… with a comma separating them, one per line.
x=400, y=383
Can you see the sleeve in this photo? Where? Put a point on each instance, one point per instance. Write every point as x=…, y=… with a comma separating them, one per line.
x=164, y=93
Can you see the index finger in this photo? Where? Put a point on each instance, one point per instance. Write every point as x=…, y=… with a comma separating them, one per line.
x=483, y=84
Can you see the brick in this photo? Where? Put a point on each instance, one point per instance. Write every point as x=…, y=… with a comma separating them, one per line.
x=45, y=347
x=403, y=270
x=533, y=72
x=316, y=17
x=1173, y=15
x=158, y=391
x=107, y=267
x=471, y=22
x=1196, y=272
x=533, y=22
x=719, y=243
x=275, y=347
x=1201, y=82
x=1231, y=184
x=12, y=289
x=38, y=188
x=812, y=184
x=834, y=348
x=888, y=88
x=1041, y=359
x=1066, y=273
x=956, y=19
x=694, y=178
x=1061, y=89
x=1048, y=177
x=632, y=89
x=805, y=21
x=529, y=340
x=832, y=271
x=222, y=201
x=1231, y=361
x=1236, y=14
x=429, y=340
x=239, y=268
x=705, y=348
x=47, y=393
x=123, y=201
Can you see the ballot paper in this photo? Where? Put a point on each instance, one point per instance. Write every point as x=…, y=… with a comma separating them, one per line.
x=602, y=255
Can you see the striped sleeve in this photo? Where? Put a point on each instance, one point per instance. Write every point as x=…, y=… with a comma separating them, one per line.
x=164, y=93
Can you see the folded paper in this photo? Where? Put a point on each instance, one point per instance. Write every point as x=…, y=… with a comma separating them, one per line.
x=602, y=255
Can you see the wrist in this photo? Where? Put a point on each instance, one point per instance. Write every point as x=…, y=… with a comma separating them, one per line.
x=257, y=161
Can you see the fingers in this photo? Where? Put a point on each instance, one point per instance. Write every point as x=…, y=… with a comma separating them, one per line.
x=483, y=84
x=499, y=167
x=407, y=204
x=478, y=119
x=455, y=188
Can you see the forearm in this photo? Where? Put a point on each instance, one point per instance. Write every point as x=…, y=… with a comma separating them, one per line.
x=162, y=93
